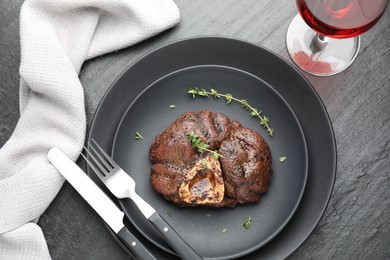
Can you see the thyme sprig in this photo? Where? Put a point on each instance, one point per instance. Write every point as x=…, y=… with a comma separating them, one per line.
x=264, y=121
x=200, y=146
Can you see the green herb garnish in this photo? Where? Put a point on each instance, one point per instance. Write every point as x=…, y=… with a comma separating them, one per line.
x=172, y=106
x=138, y=135
x=264, y=121
x=247, y=222
x=200, y=146
x=224, y=230
x=282, y=158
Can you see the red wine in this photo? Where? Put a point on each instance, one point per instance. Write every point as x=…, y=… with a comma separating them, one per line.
x=341, y=18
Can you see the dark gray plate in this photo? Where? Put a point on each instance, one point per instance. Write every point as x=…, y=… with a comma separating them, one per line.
x=264, y=65
x=202, y=227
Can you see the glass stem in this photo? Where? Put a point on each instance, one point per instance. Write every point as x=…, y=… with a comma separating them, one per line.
x=318, y=43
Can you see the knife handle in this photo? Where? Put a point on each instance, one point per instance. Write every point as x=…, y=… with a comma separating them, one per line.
x=174, y=239
x=134, y=245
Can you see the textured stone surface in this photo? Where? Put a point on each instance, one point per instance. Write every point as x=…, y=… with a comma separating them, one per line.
x=356, y=224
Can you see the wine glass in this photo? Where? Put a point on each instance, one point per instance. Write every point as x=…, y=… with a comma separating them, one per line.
x=332, y=41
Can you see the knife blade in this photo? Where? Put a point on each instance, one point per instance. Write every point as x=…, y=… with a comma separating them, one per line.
x=98, y=200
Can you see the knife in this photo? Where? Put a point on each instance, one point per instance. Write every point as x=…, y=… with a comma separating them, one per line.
x=98, y=200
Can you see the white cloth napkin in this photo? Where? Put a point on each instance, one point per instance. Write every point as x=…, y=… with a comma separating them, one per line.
x=56, y=38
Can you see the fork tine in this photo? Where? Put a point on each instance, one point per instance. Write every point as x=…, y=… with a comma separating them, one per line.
x=103, y=171
x=105, y=154
x=103, y=160
x=91, y=165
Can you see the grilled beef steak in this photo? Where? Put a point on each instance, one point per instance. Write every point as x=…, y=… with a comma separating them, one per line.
x=187, y=177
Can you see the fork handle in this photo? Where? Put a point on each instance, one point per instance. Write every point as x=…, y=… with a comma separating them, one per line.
x=134, y=245
x=174, y=239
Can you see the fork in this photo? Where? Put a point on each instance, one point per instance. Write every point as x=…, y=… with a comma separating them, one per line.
x=123, y=186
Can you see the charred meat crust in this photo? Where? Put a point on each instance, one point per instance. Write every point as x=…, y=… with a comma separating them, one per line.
x=245, y=158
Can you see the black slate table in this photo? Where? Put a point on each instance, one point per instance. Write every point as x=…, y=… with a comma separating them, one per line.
x=356, y=224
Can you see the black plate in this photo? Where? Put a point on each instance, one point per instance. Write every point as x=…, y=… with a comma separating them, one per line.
x=271, y=69
x=202, y=227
